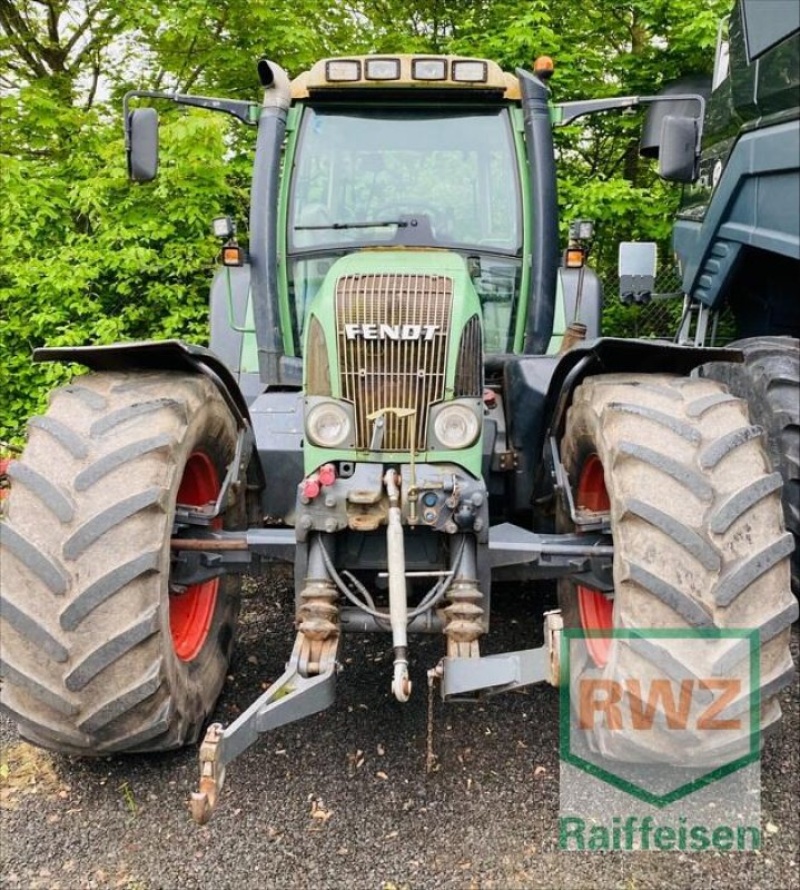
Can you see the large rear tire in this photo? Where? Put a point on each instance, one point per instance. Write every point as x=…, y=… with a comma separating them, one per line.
x=769, y=381
x=99, y=654
x=698, y=537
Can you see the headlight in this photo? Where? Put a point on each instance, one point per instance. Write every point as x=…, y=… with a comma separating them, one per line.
x=328, y=425
x=456, y=426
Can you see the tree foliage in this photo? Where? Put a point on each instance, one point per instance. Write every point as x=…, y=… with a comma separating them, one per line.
x=88, y=258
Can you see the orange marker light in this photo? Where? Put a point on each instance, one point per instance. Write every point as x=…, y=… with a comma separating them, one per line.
x=574, y=257
x=232, y=255
x=543, y=67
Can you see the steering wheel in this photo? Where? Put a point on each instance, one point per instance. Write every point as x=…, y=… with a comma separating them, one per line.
x=440, y=218
x=415, y=208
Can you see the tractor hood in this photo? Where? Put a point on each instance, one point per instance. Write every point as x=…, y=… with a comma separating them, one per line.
x=392, y=336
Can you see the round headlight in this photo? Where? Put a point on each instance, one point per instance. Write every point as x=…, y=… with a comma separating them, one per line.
x=456, y=426
x=328, y=425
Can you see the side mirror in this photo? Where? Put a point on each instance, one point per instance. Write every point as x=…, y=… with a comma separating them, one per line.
x=637, y=271
x=142, y=126
x=681, y=98
x=677, y=157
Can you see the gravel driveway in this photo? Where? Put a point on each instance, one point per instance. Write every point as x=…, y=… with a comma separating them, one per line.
x=344, y=799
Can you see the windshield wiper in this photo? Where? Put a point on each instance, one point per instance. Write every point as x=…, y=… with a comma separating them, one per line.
x=401, y=223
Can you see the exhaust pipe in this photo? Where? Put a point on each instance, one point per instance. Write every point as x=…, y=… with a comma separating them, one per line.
x=264, y=220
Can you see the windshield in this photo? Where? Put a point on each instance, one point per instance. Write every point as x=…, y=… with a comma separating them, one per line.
x=406, y=177
x=444, y=179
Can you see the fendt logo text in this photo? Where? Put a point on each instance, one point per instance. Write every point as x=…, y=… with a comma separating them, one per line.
x=403, y=332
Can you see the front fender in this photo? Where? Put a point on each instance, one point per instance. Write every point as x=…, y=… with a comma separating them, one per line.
x=162, y=355
x=539, y=391
x=613, y=355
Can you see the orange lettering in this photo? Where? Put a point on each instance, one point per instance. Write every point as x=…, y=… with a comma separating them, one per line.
x=589, y=703
x=731, y=690
x=643, y=714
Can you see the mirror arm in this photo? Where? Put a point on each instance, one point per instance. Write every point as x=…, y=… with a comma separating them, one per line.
x=247, y=112
x=567, y=112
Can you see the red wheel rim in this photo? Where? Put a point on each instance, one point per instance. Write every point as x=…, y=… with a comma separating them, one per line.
x=596, y=611
x=191, y=612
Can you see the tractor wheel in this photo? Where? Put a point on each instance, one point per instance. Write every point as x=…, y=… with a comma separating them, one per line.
x=99, y=653
x=769, y=381
x=698, y=536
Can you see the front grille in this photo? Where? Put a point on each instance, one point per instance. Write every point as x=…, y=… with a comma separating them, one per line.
x=383, y=364
x=469, y=368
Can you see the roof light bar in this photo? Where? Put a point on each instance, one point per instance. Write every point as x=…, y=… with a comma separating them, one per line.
x=342, y=70
x=470, y=71
x=382, y=69
x=429, y=69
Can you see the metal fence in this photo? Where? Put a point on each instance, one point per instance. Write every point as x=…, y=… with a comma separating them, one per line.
x=658, y=318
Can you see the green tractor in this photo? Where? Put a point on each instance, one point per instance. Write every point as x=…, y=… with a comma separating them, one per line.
x=408, y=397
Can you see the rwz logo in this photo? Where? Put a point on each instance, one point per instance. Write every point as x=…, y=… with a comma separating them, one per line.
x=634, y=705
x=647, y=724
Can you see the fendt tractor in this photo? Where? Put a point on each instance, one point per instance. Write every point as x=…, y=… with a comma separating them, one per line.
x=408, y=397
x=737, y=237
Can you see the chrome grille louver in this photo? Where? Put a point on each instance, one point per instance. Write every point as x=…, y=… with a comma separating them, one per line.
x=379, y=368
x=469, y=368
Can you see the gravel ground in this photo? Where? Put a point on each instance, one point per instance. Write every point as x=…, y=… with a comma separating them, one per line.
x=344, y=800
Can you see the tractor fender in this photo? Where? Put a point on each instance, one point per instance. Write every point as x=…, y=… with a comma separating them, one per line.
x=160, y=355
x=614, y=355
x=539, y=391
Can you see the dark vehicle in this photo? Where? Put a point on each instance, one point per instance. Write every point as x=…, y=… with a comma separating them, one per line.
x=737, y=237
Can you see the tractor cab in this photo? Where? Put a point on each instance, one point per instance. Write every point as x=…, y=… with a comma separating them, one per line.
x=396, y=157
x=385, y=165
